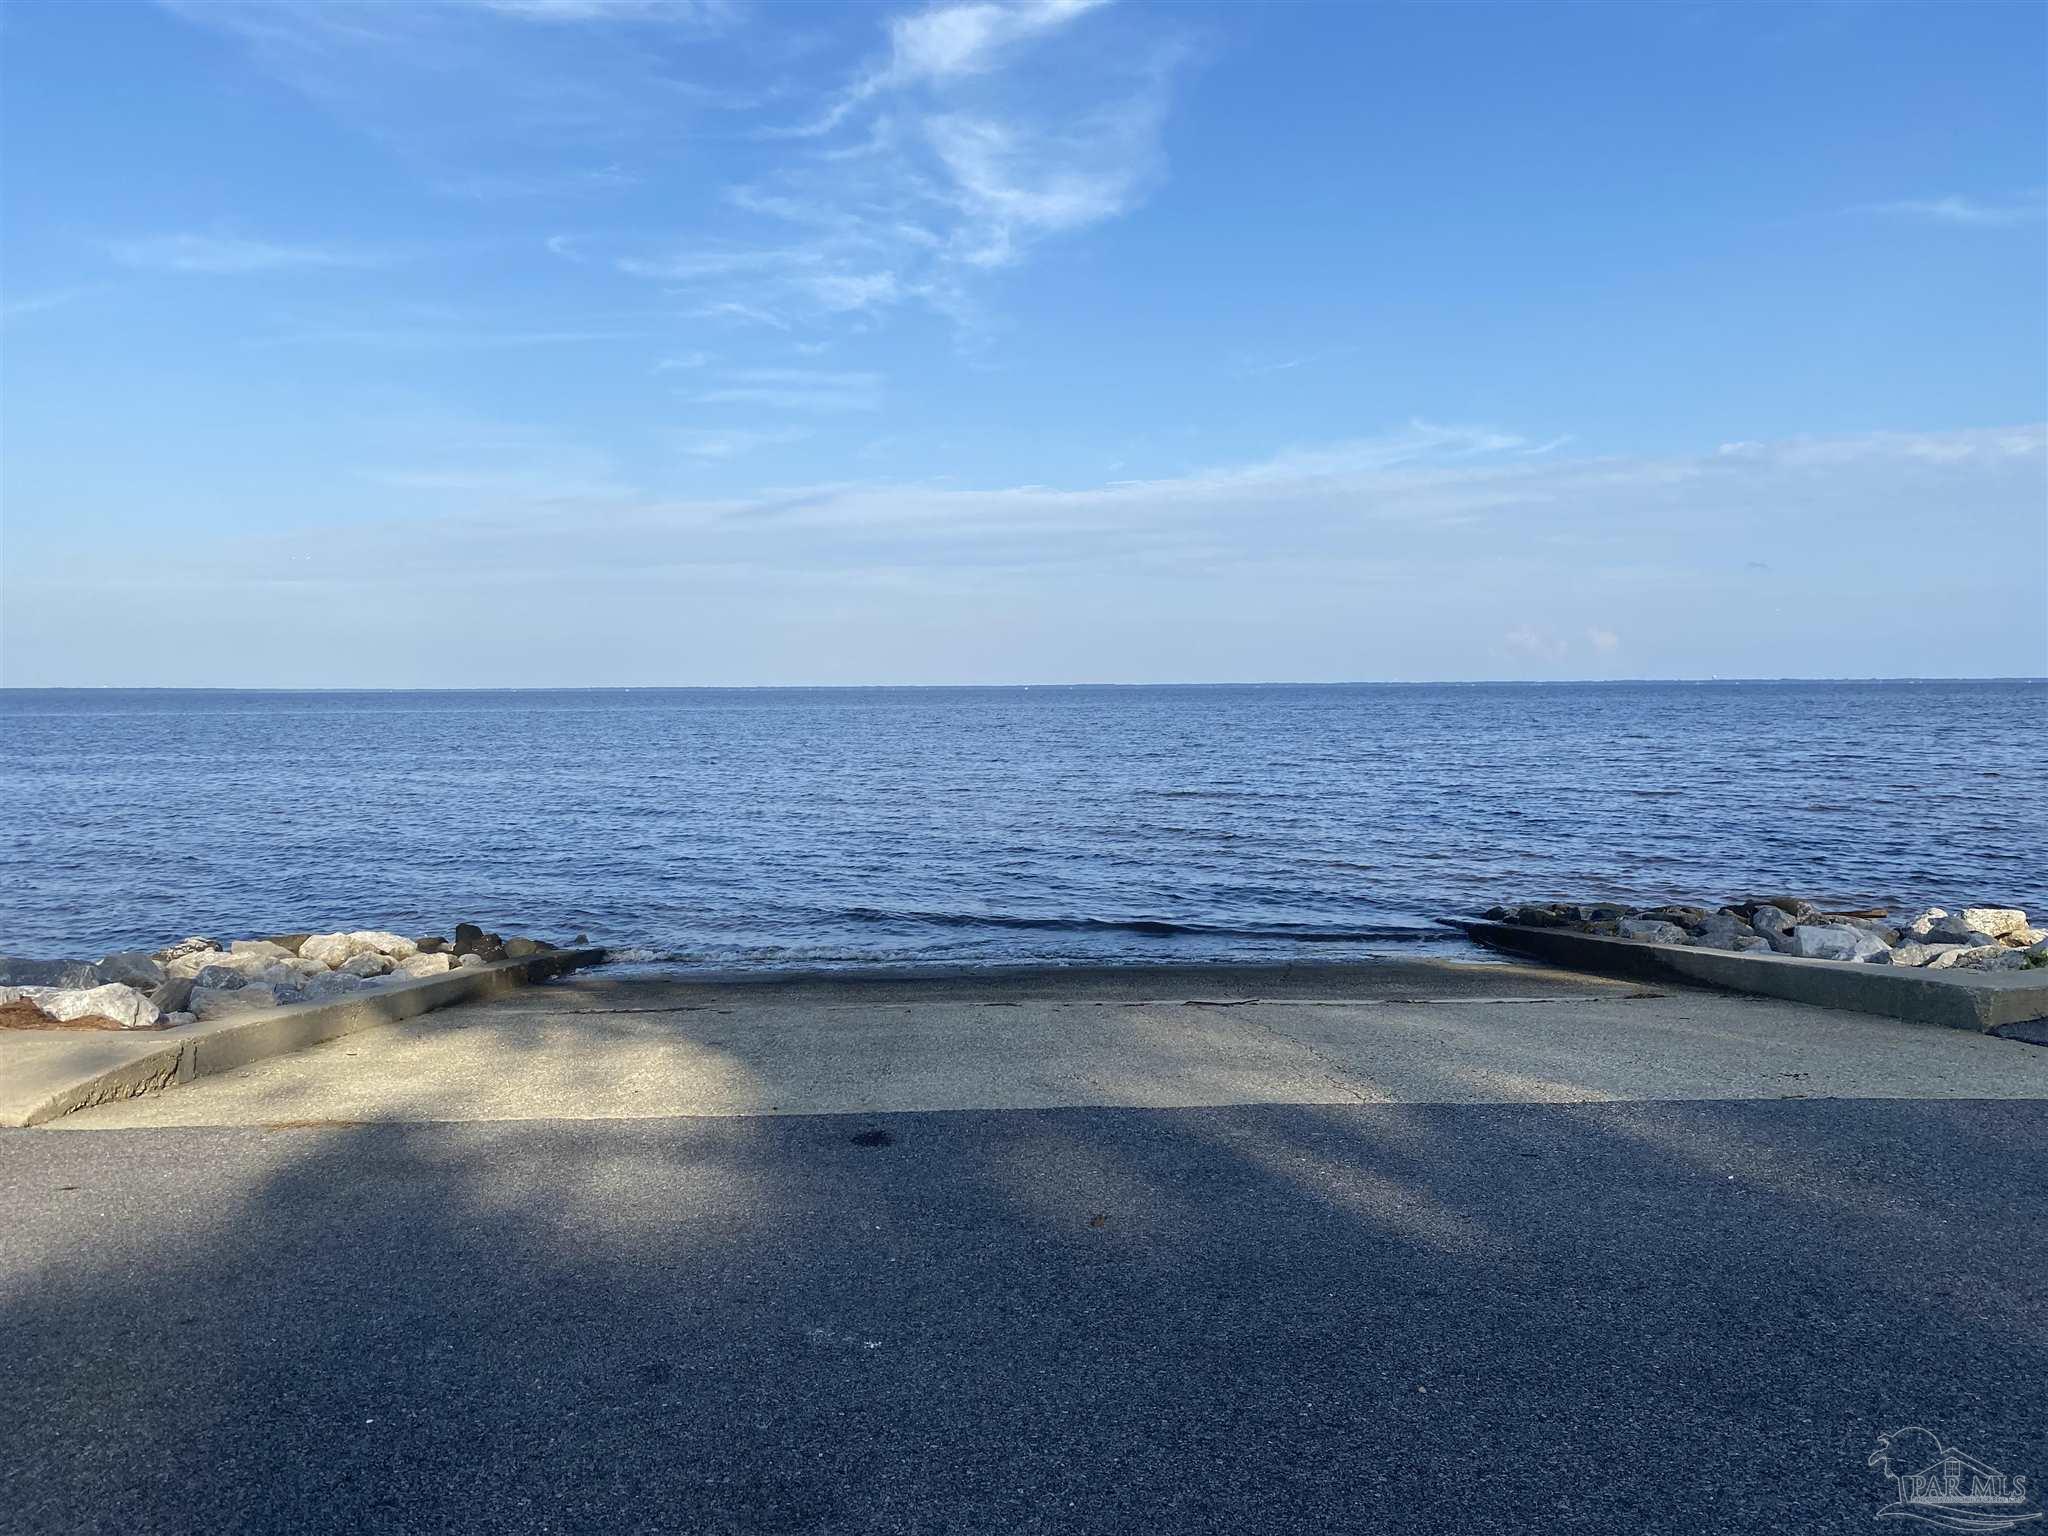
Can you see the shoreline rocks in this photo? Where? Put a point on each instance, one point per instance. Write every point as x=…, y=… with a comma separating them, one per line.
x=1972, y=938
x=203, y=979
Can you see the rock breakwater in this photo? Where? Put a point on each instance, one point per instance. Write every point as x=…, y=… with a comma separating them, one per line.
x=1970, y=938
x=203, y=979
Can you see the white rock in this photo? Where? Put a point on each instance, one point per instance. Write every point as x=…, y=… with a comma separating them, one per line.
x=2024, y=937
x=20, y=994
x=1835, y=942
x=376, y=942
x=422, y=965
x=365, y=965
x=245, y=963
x=328, y=948
x=175, y=1019
x=124, y=1005
x=1907, y=953
x=471, y=962
x=1922, y=926
x=1652, y=931
x=1996, y=921
x=263, y=947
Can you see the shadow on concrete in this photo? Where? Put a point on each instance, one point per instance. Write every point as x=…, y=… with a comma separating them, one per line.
x=1639, y=1317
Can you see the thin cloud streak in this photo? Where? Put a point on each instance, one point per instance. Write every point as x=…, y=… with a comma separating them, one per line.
x=1966, y=212
x=233, y=255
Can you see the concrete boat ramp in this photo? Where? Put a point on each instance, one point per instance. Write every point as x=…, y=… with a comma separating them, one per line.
x=601, y=1047
x=1416, y=1248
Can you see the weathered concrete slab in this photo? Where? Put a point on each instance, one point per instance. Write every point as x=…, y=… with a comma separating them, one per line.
x=1959, y=1000
x=48, y=1073
x=600, y=1047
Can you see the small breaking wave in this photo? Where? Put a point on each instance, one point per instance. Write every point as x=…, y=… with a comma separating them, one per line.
x=1157, y=927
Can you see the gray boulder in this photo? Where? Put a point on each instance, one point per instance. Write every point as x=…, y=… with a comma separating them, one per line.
x=222, y=978
x=1956, y=929
x=1799, y=911
x=520, y=949
x=472, y=940
x=413, y=967
x=174, y=995
x=247, y=962
x=210, y=1003
x=1987, y=957
x=18, y=971
x=132, y=968
x=1835, y=942
x=1905, y=953
x=1684, y=916
x=1768, y=920
x=1748, y=943
x=332, y=984
x=1652, y=931
x=365, y=965
x=1720, y=930
x=471, y=962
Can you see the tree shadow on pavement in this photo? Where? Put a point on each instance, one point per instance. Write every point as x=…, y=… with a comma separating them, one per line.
x=1447, y=1318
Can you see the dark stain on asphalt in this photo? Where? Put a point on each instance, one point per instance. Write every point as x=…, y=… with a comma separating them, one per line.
x=872, y=1139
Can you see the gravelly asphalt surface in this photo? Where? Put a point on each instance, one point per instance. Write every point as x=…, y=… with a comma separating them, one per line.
x=1646, y=1317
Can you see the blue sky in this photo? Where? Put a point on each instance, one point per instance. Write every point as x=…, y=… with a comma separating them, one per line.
x=633, y=342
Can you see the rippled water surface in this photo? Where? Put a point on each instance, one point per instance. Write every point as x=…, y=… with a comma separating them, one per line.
x=803, y=827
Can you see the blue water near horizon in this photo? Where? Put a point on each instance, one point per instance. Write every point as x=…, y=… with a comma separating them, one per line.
x=999, y=826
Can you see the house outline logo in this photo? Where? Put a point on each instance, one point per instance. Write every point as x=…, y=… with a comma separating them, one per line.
x=1943, y=1486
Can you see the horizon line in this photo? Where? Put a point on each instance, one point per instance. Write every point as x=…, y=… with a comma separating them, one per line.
x=1477, y=682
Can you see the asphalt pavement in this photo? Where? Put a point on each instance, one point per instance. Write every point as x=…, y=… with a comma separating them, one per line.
x=1639, y=1314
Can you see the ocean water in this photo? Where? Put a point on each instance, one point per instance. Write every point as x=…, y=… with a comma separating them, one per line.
x=794, y=828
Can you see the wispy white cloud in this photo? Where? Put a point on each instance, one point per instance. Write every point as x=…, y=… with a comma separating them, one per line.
x=697, y=13
x=226, y=255
x=40, y=303
x=944, y=43
x=732, y=442
x=680, y=361
x=1967, y=212
x=744, y=314
x=796, y=389
x=433, y=338
x=983, y=130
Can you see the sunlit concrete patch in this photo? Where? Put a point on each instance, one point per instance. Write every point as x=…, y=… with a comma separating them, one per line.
x=606, y=1049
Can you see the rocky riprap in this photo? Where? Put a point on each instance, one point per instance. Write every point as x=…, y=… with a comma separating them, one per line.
x=1974, y=938
x=204, y=979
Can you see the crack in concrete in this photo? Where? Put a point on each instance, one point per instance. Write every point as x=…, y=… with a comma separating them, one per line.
x=1331, y=1072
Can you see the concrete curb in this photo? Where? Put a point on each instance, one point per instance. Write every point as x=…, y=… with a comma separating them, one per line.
x=1980, y=1002
x=49, y=1074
